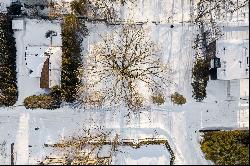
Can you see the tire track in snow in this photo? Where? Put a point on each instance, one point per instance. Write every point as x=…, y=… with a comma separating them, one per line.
x=185, y=139
x=22, y=140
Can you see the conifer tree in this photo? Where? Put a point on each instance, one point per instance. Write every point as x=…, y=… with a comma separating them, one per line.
x=8, y=83
x=71, y=58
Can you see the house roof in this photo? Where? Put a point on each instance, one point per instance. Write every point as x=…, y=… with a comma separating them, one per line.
x=17, y=24
x=35, y=56
x=233, y=55
x=34, y=59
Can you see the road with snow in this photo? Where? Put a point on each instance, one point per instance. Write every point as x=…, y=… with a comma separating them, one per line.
x=180, y=125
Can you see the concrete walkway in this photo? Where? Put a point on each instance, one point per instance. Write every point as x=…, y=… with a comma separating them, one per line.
x=22, y=141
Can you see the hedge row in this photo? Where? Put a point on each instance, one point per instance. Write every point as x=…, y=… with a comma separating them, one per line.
x=45, y=101
x=71, y=58
x=200, y=71
x=8, y=80
x=227, y=147
x=41, y=101
x=200, y=75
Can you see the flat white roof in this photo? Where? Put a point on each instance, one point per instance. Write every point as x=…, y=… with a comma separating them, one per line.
x=234, y=55
x=35, y=56
x=34, y=59
x=17, y=24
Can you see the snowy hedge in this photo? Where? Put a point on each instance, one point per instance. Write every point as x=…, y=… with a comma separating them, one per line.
x=56, y=94
x=227, y=147
x=200, y=75
x=52, y=100
x=71, y=58
x=41, y=101
x=8, y=80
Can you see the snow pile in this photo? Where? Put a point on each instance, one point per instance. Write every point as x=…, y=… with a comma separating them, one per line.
x=175, y=45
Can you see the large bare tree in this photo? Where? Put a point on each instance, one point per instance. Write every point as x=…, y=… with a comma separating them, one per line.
x=119, y=65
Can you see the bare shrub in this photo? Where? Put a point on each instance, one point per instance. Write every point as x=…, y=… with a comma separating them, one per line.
x=178, y=99
x=158, y=99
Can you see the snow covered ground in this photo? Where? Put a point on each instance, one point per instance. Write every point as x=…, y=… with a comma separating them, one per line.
x=175, y=45
x=51, y=129
x=145, y=155
x=180, y=125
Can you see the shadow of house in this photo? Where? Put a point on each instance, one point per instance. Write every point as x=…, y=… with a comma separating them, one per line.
x=44, y=79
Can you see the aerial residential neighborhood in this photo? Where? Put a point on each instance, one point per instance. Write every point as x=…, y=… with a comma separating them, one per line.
x=124, y=82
